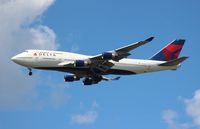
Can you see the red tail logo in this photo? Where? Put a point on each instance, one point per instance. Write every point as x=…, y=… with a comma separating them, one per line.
x=170, y=52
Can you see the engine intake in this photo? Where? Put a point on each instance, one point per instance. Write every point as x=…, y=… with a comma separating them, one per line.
x=109, y=55
x=90, y=81
x=71, y=78
x=81, y=63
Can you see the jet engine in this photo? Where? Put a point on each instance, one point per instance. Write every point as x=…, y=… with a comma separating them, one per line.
x=109, y=56
x=89, y=81
x=71, y=78
x=80, y=63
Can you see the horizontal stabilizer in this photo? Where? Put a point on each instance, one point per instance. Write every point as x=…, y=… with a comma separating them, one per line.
x=174, y=62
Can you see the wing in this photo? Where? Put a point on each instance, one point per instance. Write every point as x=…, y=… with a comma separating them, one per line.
x=102, y=61
x=133, y=45
x=119, y=53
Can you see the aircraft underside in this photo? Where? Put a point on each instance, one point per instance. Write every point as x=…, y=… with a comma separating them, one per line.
x=91, y=76
x=88, y=71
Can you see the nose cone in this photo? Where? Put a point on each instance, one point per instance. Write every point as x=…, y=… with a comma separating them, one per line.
x=14, y=59
x=17, y=59
x=22, y=59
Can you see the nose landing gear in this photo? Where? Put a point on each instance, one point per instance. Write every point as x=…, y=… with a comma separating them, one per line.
x=30, y=72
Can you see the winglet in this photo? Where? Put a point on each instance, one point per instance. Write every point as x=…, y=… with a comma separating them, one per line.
x=149, y=39
x=174, y=62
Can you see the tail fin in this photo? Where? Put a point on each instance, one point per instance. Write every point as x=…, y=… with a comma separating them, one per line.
x=169, y=52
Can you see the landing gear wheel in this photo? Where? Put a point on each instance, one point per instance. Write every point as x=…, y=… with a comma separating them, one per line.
x=30, y=73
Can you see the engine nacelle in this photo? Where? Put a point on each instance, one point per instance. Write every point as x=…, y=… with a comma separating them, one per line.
x=87, y=81
x=80, y=63
x=108, y=55
x=90, y=81
x=71, y=78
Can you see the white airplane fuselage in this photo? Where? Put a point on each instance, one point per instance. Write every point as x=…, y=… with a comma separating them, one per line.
x=50, y=60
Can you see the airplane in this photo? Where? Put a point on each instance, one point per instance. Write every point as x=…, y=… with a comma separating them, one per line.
x=94, y=68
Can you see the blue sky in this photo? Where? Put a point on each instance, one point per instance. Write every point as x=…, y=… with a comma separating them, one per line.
x=167, y=99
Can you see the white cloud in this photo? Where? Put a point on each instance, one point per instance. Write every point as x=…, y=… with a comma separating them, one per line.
x=15, y=19
x=43, y=36
x=88, y=117
x=171, y=118
x=17, y=33
x=193, y=107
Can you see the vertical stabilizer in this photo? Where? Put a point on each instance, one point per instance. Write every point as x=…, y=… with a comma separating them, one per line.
x=169, y=52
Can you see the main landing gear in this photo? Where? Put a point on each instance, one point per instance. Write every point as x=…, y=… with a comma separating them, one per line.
x=30, y=72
